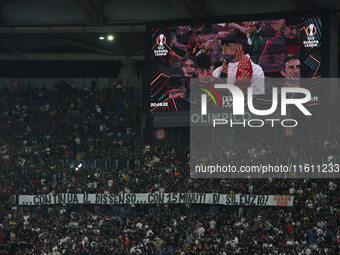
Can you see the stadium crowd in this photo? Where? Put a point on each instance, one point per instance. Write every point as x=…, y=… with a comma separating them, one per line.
x=40, y=127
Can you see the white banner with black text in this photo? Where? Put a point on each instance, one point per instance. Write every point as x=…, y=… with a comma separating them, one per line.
x=158, y=198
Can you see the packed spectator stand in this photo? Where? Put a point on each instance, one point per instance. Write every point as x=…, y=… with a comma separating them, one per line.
x=41, y=128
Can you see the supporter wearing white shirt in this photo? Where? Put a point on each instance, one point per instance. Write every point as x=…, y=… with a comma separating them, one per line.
x=332, y=186
x=308, y=251
x=200, y=231
x=109, y=183
x=149, y=233
x=139, y=225
x=235, y=241
x=212, y=224
x=256, y=81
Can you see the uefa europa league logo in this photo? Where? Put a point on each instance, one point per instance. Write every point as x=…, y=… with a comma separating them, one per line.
x=161, y=40
x=311, y=30
x=162, y=48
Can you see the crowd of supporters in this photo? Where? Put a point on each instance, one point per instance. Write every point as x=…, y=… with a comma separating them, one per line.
x=41, y=127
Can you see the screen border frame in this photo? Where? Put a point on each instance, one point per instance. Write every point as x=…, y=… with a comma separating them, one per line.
x=322, y=13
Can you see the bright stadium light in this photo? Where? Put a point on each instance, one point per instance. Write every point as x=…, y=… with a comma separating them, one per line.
x=110, y=37
x=101, y=37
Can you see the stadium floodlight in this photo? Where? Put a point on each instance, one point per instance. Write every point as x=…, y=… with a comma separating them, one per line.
x=101, y=37
x=110, y=37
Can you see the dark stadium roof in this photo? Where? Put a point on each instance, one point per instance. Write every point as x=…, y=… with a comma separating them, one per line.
x=110, y=12
x=42, y=29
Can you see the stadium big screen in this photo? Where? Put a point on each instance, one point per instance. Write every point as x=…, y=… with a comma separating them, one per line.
x=284, y=46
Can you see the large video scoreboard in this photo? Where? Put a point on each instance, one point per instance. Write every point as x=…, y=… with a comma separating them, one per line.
x=281, y=45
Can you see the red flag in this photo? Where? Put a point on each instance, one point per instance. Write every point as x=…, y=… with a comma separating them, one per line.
x=126, y=241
